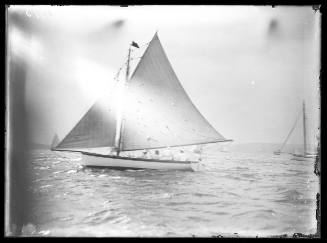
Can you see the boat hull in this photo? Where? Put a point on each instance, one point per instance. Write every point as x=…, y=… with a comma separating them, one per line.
x=136, y=163
x=300, y=157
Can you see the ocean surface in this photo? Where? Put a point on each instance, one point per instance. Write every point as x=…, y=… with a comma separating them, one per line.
x=233, y=194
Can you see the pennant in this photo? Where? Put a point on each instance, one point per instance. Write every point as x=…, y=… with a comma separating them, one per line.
x=135, y=44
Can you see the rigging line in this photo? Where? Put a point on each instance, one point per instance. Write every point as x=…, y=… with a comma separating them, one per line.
x=140, y=47
x=120, y=69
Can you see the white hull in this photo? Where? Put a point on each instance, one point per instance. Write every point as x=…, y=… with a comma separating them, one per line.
x=303, y=157
x=136, y=163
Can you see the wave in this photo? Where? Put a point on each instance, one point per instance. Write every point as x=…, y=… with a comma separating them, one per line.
x=45, y=186
x=185, y=203
x=232, y=193
x=198, y=218
x=294, y=197
x=267, y=213
x=71, y=171
x=222, y=193
x=199, y=194
x=241, y=168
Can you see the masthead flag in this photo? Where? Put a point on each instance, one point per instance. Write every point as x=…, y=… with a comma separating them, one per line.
x=135, y=44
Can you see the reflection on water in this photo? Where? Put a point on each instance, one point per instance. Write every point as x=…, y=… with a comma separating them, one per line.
x=248, y=194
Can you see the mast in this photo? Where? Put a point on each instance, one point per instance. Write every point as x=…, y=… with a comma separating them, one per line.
x=128, y=59
x=119, y=115
x=304, y=131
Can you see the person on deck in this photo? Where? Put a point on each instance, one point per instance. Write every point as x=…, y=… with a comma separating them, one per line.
x=198, y=157
x=145, y=154
x=156, y=155
x=183, y=156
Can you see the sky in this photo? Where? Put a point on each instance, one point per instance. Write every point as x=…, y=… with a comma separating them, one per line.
x=246, y=68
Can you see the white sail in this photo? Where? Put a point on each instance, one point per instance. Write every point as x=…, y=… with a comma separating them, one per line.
x=96, y=129
x=157, y=111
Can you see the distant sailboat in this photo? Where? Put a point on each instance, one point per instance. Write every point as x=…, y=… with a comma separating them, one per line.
x=149, y=110
x=298, y=155
x=55, y=141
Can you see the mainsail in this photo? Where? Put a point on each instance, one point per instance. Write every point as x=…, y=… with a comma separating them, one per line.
x=158, y=112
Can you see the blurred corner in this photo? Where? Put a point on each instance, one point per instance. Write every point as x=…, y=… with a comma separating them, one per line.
x=17, y=198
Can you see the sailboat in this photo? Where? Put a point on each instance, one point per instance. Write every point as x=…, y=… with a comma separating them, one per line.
x=55, y=141
x=148, y=111
x=298, y=155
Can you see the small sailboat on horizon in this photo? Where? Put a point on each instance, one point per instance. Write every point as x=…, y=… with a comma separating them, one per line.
x=55, y=141
x=305, y=155
x=148, y=112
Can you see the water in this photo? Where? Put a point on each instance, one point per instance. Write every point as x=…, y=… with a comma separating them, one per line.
x=234, y=194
